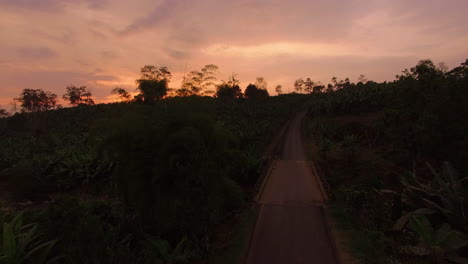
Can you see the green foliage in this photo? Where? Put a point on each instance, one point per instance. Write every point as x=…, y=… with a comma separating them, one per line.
x=181, y=253
x=22, y=243
x=441, y=244
x=88, y=232
x=446, y=194
x=383, y=127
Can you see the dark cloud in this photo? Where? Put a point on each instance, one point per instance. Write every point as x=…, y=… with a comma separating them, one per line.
x=176, y=54
x=36, y=52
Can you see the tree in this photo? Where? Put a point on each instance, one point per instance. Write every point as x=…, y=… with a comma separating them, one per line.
x=122, y=93
x=253, y=92
x=3, y=113
x=362, y=78
x=197, y=82
x=308, y=85
x=279, y=89
x=151, y=72
x=261, y=84
x=209, y=78
x=460, y=72
x=318, y=88
x=153, y=83
x=78, y=95
x=229, y=89
x=298, y=85
x=35, y=100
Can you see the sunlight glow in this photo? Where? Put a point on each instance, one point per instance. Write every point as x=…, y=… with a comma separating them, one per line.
x=278, y=48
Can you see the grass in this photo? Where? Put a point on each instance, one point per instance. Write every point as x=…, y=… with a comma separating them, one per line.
x=236, y=248
x=367, y=246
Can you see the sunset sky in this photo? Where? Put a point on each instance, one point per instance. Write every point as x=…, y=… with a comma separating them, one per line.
x=49, y=44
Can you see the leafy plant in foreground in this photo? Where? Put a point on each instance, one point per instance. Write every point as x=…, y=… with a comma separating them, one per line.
x=445, y=194
x=441, y=244
x=22, y=243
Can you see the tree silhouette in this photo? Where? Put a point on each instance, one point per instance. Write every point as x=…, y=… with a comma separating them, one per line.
x=3, y=113
x=197, y=82
x=318, y=88
x=298, y=85
x=253, y=92
x=362, y=78
x=35, y=100
x=78, y=95
x=151, y=72
x=153, y=84
x=279, y=89
x=261, y=84
x=229, y=89
x=460, y=72
x=309, y=85
x=122, y=93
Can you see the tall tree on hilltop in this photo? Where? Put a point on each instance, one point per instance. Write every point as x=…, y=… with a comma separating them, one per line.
x=122, y=93
x=153, y=83
x=298, y=85
x=78, y=95
x=253, y=92
x=279, y=89
x=261, y=83
x=36, y=100
x=229, y=89
x=200, y=82
x=308, y=85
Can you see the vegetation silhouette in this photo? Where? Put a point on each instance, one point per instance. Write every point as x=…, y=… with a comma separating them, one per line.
x=78, y=95
x=151, y=179
x=199, y=82
x=3, y=113
x=252, y=92
x=36, y=100
x=153, y=84
x=122, y=93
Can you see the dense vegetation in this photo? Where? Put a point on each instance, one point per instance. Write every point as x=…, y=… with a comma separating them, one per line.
x=130, y=182
x=396, y=157
x=150, y=179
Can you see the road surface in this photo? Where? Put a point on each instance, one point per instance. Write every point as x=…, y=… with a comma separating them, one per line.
x=291, y=227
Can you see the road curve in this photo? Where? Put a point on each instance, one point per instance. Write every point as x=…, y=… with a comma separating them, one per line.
x=291, y=226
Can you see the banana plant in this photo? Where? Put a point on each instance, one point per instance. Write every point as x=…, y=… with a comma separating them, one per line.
x=178, y=254
x=22, y=243
x=445, y=194
x=441, y=244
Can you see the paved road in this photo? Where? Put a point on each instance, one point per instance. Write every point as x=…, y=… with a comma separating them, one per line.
x=291, y=227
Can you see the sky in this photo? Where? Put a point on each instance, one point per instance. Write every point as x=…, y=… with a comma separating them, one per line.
x=102, y=44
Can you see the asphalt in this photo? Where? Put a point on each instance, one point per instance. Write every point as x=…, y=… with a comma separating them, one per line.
x=291, y=227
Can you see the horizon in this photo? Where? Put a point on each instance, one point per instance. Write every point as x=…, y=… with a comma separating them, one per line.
x=103, y=44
